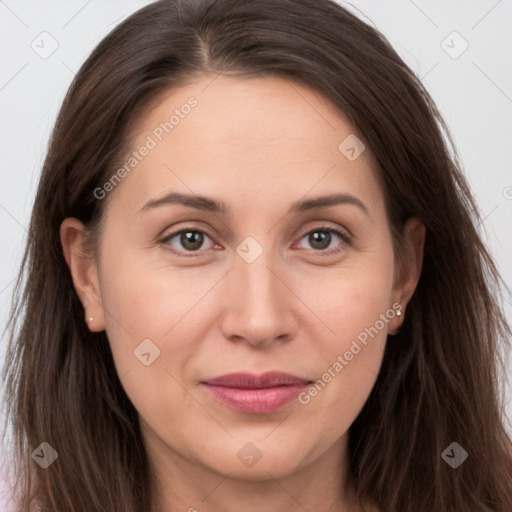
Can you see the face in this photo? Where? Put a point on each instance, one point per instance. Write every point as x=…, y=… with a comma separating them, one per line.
x=260, y=277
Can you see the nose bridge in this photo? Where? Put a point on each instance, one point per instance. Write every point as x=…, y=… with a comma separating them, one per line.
x=258, y=307
x=259, y=285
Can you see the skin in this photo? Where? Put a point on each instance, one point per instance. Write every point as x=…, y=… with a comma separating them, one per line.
x=259, y=145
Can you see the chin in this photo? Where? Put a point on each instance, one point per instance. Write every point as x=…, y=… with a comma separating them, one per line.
x=257, y=459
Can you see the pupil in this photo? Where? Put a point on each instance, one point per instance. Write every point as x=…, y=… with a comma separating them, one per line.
x=191, y=240
x=318, y=239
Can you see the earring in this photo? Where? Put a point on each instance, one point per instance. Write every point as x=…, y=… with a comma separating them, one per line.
x=398, y=313
x=91, y=319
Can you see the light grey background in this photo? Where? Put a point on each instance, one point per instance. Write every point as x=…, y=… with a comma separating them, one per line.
x=473, y=91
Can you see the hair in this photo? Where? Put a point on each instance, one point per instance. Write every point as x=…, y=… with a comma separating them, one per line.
x=441, y=376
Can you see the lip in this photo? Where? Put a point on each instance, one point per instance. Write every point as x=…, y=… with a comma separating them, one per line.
x=248, y=392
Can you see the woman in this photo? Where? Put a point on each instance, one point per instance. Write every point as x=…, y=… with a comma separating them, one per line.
x=254, y=280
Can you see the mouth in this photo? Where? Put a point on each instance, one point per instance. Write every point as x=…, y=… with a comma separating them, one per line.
x=246, y=392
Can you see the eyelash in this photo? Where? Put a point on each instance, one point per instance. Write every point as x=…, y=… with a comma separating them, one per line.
x=346, y=240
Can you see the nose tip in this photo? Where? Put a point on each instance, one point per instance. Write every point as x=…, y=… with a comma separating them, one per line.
x=258, y=309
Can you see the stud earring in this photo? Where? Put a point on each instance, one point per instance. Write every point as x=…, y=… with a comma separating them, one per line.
x=399, y=312
x=91, y=319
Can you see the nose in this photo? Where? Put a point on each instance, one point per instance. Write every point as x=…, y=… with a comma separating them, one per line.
x=259, y=308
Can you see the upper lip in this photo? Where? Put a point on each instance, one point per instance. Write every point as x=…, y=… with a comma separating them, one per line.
x=254, y=381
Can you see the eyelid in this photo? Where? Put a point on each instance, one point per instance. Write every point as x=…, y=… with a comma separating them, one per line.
x=164, y=238
x=342, y=233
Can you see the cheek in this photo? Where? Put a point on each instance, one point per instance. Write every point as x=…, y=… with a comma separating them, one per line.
x=140, y=310
x=352, y=301
x=357, y=308
x=153, y=319
x=145, y=300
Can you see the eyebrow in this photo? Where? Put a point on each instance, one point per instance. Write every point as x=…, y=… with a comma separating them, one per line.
x=215, y=206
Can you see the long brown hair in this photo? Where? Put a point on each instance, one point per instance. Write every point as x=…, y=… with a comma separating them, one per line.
x=440, y=377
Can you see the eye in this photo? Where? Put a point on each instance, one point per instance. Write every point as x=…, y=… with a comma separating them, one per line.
x=191, y=241
x=321, y=238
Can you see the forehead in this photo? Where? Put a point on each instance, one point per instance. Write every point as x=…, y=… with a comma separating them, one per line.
x=256, y=140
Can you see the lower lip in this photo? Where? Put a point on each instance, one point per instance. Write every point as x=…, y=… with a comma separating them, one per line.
x=255, y=400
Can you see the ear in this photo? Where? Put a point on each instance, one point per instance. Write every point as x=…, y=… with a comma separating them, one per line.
x=408, y=267
x=84, y=272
